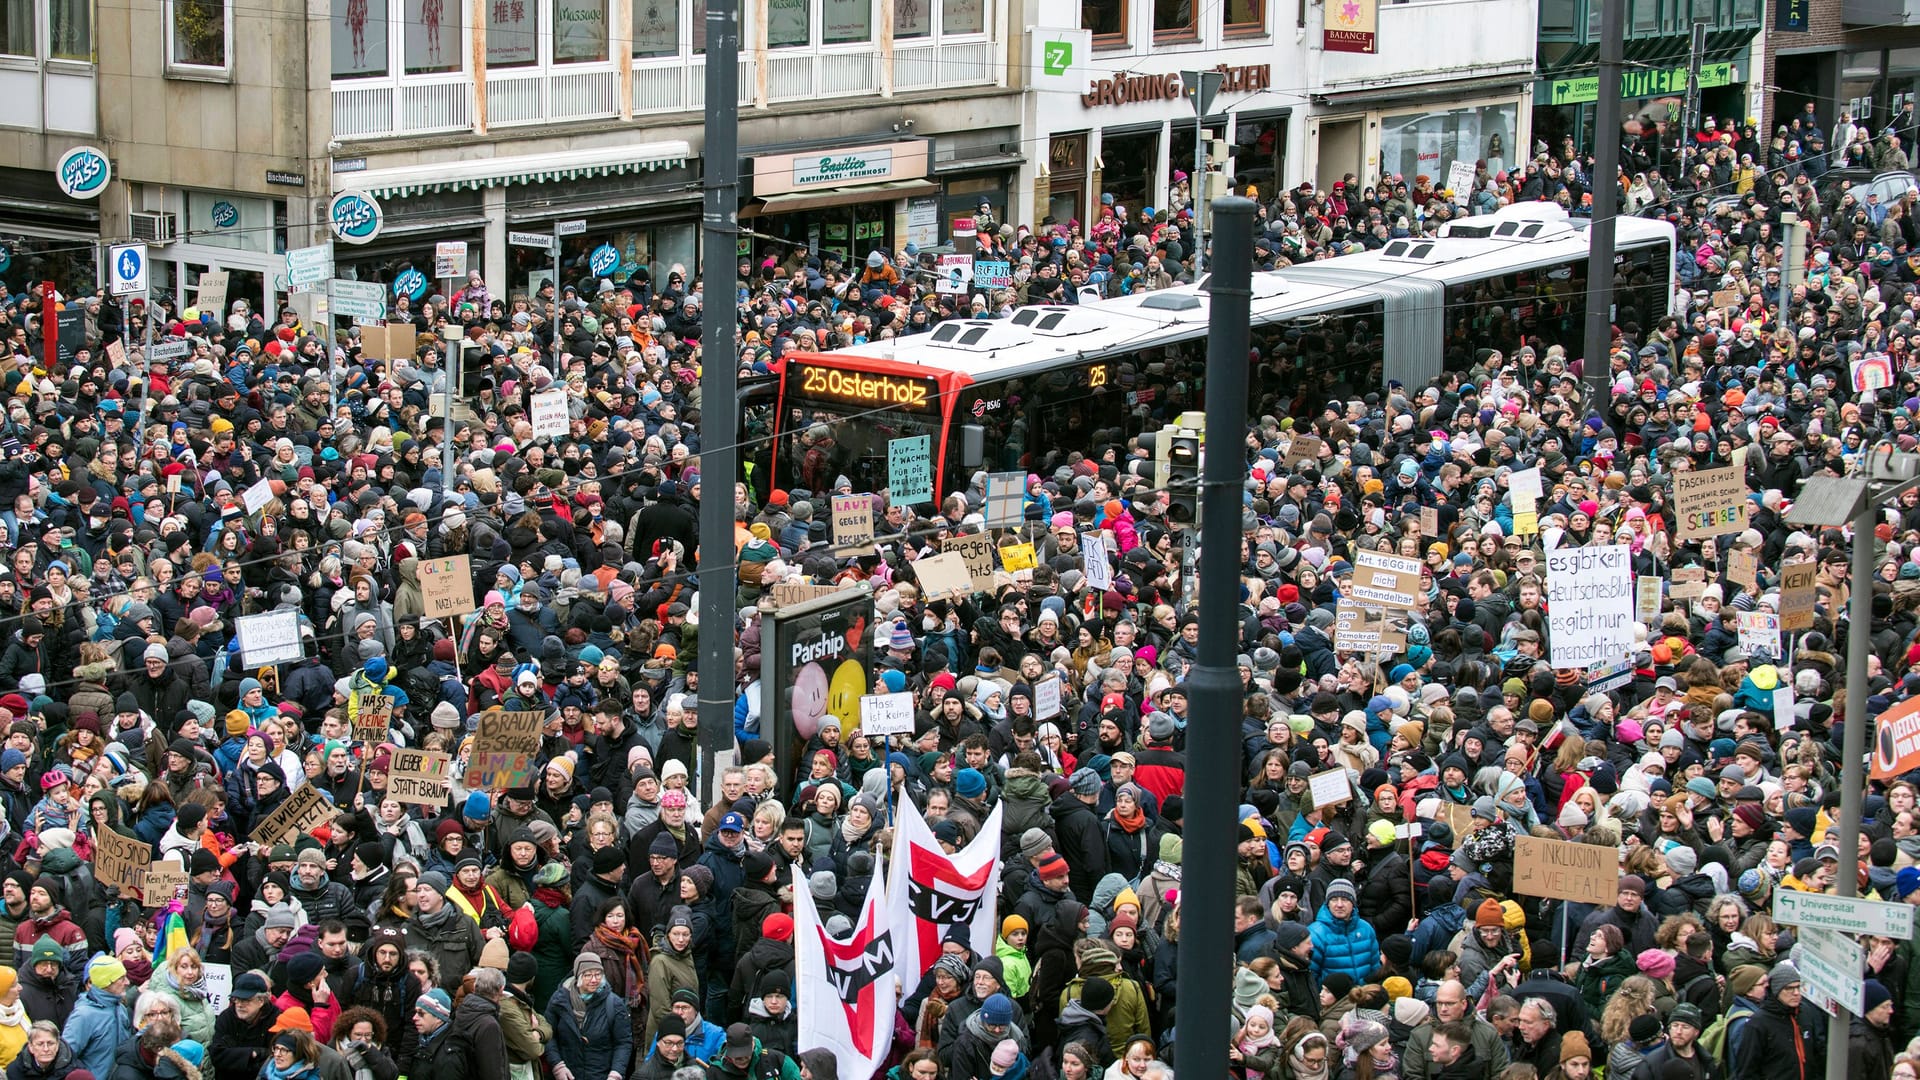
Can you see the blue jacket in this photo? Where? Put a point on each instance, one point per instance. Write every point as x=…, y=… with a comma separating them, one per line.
x=1345, y=946
x=602, y=1044
x=1436, y=928
x=98, y=1025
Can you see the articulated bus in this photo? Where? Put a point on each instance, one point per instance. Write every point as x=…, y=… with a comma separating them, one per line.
x=1023, y=392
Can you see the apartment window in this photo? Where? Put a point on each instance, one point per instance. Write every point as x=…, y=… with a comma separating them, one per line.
x=70, y=30
x=1106, y=18
x=198, y=32
x=430, y=36
x=1246, y=16
x=16, y=29
x=1175, y=18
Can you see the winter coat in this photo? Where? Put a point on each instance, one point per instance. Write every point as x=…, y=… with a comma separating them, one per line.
x=99, y=1023
x=1344, y=946
x=667, y=972
x=476, y=1023
x=1773, y=1046
x=455, y=943
x=525, y=1030
x=594, y=1043
x=1128, y=1017
x=1490, y=1051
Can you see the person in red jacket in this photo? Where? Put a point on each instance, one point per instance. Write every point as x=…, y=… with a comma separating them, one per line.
x=1158, y=767
x=47, y=917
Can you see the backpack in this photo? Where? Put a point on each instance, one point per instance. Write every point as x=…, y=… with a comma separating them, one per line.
x=1719, y=1034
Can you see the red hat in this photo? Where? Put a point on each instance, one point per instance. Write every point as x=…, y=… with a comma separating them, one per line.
x=945, y=680
x=777, y=926
x=15, y=704
x=1112, y=701
x=1052, y=867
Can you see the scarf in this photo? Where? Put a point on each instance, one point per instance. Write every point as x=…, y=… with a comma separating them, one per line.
x=210, y=928
x=436, y=920
x=195, y=991
x=1131, y=824
x=626, y=944
x=552, y=897
x=851, y=835
x=139, y=970
x=1297, y=1066
x=14, y=1015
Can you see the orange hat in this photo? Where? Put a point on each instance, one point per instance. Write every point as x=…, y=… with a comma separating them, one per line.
x=294, y=1018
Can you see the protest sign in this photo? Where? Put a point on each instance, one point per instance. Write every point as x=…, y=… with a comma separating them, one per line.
x=1590, y=605
x=1046, y=698
x=1017, y=557
x=372, y=715
x=992, y=273
x=120, y=861
x=1525, y=482
x=1430, y=521
x=304, y=811
x=910, y=470
x=1797, y=595
x=1458, y=818
x=1759, y=633
x=1646, y=599
x=1386, y=580
x=219, y=984
x=419, y=777
x=1711, y=502
x=1743, y=567
x=1330, y=788
x=446, y=586
x=1365, y=628
x=550, y=414
x=852, y=521
x=1896, y=740
x=1006, y=499
x=956, y=275
x=1687, y=582
x=504, y=746
x=977, y=550
x=886, y=714
x=943, y=575
x=1302, y=448
x=165, y=880
x=799, y=592
x=1093, y=554
x=269, y=638
x=257, y=496
x=1584, y=873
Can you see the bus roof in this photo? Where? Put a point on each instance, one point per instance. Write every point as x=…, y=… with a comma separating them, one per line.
x=1513, y=238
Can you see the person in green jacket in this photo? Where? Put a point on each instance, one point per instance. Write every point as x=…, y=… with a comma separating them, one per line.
x=552, y=913
x=1011, y=948
x=1129, y=1016
x=742, y=1057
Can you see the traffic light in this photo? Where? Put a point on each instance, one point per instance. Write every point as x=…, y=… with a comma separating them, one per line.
x=1183, y=477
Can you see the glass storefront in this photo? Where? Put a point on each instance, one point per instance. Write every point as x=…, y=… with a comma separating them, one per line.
x=26, y=261
x=1260, y=151
x=1427, y=143
x=847, y=231
x=1130, y=167
x=642, y=253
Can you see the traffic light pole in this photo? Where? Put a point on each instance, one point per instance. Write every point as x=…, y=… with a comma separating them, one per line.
x=1213, y=684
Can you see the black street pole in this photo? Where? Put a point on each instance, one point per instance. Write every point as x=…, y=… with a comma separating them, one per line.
x=1597, y=369
x=1213, y=685
x=719, y=384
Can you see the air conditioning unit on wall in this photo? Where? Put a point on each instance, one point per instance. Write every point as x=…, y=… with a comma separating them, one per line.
x=154, y=228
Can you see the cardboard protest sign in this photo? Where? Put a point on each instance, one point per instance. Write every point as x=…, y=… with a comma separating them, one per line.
x=1743, y=568
x=503, y=749
x=852, y=521
x=1017, y=557
x=1302, y=448
x=1457, y=817
x=1584, y=873
x=799, y=592
x=943, y=575
x=120, y=861
x=420, y=777
x=1687, y=582
x=1710, y=502
x=372, y=715
x=977, y=550
x=1797, y=595
x=1646, y=599
x=304, y=811
x=1330, y=788
x=446, y=586
x=1385, y=580
x=165, y=879
x=1430, y=521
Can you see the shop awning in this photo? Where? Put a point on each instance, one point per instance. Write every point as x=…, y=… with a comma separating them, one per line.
x=525, y=169
x=842, y=196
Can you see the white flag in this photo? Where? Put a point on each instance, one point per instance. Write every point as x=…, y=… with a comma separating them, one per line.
x=845, y=990
x=929, y=892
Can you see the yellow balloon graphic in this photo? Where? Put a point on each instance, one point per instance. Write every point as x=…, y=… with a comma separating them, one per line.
x=843, y=693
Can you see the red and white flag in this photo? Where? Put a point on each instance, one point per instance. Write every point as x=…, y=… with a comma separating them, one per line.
x=845, y=988
x=929, y=892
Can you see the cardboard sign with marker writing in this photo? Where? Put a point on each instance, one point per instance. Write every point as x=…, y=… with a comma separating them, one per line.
x=1585, y=873
x=977, y=550
x=1711, y=502
x=120, y=861
x=446, y=586
x=1743, y=567
x=943, y=575
x=1797, y=595
x=304, y=811
x=1687, y=582
x=503, y=749
x=420, y=777
x=1330, y=788
x=1303, y=448
x=1430, y=522
x=852, y=521
x=799, y=592
x=372, y=716
x=163, y=881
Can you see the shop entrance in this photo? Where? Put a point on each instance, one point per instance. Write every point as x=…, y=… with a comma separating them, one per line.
x=1341, y=151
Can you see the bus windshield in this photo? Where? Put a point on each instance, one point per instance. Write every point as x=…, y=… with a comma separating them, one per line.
x=823, y=442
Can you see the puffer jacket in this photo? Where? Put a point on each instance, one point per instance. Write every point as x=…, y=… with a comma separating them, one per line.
x=1129, y=1015
x=1344, y=946
x=100, y=1022
x=598, y=1042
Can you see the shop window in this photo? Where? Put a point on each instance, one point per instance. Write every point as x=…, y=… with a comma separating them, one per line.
x=656, y=27
x=1128, y=164
x=430, y=36
x=70, y=30
x=197, y=35
x=1645, y=16
x=16, y=29
x=579, y=31
x=1429, y=142
x=789, y=24
x=844, y=21
x=1106, y=18
x=963, y=16
x=359, y=38
x=912, y=19
x=1175, y=18
x=1246, y=16
x=513, y=33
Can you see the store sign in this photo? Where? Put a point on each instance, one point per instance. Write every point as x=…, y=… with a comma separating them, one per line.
x=1792, y=15
x=225, y=215
x=848, y=168
x=83, y=172
x=1057, y=58
x=411, y=284
x=1639, y=83
x=355, y=217
x=1132, y=89
x=603, y=260
x=775, y=174
x=1352, y=26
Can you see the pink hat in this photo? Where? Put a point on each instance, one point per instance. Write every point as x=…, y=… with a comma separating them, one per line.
x=673, y=797
x=1630, y=731
x=124, y=937
x=494, y=597
x=1655, y=963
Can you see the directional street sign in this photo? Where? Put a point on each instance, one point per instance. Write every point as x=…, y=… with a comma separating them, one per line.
x=127, y=269
x=1843, y=915
x=358, y=299
x=168, y=350
x=1831, y=964
x=309, y=265
x=540, y=240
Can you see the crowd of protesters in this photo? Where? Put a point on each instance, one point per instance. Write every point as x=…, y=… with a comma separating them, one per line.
x=606, y=922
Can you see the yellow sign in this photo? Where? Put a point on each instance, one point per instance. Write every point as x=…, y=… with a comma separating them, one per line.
x=1017, y=557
